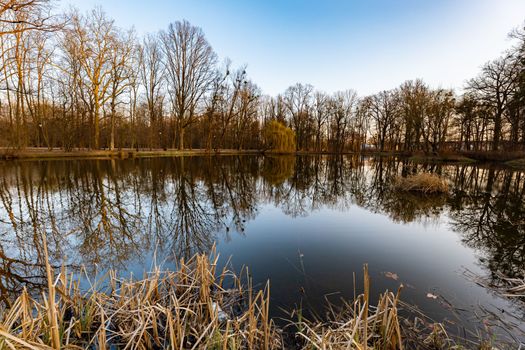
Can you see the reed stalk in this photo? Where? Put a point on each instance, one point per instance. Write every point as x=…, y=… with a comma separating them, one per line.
x=192, y=308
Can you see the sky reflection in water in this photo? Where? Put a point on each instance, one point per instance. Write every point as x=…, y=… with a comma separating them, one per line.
x=306, y=223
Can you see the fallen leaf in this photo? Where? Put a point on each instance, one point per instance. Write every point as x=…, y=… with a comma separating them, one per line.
x=392, y=275
x=432, y=296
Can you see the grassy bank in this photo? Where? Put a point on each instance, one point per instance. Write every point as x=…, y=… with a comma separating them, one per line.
x=44, y=153
x=517, y=163
x=444, y=158
x=511, y=159
x=198, y=307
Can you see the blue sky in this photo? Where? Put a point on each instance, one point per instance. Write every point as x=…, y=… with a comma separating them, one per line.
x=366, y=45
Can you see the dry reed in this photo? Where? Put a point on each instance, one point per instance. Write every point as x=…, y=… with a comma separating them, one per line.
x=504, y=286
x=356, y=325
x=186, y=309
x=423, y=182
x=191, y=308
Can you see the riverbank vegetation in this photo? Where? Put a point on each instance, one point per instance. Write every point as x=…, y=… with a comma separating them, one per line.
x=424, y=182
x=189, y=308
x=517, y=163
x=197, y=307
x=77, y=81
x=123, y=153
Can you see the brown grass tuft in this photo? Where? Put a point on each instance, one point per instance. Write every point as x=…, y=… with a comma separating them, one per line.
x=356, y=325
x=192, y=308
x=187, y=309
x=424, y=182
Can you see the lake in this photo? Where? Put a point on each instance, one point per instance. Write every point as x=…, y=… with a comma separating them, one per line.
x=306, y=223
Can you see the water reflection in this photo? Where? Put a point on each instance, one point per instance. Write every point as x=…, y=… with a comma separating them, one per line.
x=108, y=213
x=488, y=210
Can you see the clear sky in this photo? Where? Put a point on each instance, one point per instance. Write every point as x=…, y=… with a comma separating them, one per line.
x=366, y=45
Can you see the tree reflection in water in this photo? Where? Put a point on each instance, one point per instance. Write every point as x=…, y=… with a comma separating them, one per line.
x=105, y=213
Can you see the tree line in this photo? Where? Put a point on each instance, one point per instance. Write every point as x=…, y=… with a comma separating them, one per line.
x=76, y=80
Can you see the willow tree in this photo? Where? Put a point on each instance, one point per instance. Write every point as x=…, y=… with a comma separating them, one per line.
x=278, y=138
x=190, y=66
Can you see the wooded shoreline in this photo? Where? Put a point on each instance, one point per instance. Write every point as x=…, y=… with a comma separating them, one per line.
x=75, y=80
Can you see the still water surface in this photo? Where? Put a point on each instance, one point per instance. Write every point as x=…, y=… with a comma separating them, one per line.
x=306, y=223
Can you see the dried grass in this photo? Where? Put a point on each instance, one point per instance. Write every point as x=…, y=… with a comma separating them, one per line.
x=356, y=325
x=186, y=309
x=507, y=287
x=517, y=163
x=191, y=308
x=424, y=182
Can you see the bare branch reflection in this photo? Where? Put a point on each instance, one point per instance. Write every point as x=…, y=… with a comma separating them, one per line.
x=107, y=213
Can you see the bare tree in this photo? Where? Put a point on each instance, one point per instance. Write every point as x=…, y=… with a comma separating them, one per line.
x=297, y=99
x=190, y=64
x=18, y=16
x=494, y=86
x=93, y=38
x=342, y=110
x=119, y=77
x=383, y=109
x=37, y=74
x=471, y=123
x=247, y=110
x=151, y=72
x=437, y=119
x=414, y=95
x=231, y=93
x=320, y=115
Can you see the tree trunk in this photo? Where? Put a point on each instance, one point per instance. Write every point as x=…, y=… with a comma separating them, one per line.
x=181, y=138
x=497, y=132
x=112, y=136
x=97, y=129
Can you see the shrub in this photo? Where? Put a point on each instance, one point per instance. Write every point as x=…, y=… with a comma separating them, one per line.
x=424, y=182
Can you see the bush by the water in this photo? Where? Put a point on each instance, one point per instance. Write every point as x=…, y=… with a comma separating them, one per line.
x=424, y=182
x=278, y=138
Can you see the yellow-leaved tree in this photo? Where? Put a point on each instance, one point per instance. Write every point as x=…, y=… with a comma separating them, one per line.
x=278, y=137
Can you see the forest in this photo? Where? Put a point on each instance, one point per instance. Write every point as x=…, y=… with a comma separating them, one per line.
x=77, y=81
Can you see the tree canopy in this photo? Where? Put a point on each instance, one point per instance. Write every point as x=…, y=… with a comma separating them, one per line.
x=83, y=82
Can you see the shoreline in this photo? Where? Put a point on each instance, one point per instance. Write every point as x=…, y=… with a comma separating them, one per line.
x=514, y=160
x=46, y=154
